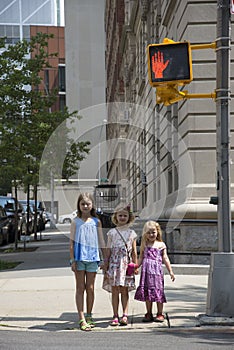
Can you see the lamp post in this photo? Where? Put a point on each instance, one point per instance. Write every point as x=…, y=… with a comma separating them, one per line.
x=52, y=223
x=99, y=151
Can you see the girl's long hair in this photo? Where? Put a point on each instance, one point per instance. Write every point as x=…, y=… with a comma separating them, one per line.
x=86, y=196
x=150, y=225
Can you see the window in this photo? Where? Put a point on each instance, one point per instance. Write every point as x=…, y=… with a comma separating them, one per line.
x=47, y=81
x=62, y=77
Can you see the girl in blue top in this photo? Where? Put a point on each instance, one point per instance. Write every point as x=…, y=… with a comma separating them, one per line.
x=85, y=239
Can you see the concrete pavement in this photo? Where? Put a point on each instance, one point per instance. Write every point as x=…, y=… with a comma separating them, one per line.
x=39, y=293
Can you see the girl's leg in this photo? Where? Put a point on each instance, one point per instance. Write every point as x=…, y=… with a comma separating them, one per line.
x=149, y=306
x=160, y=317
x=160, y=308
x=148, y=316
x=80, y=288
x=124, y=299
x=90, y=280
x=115, y=300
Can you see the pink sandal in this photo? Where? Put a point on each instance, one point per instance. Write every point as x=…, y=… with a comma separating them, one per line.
x=160, y=318
x=115, y=321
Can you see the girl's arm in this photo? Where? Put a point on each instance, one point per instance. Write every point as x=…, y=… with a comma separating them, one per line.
x=72, y=239
x=140, y=260
x=168, y=264
x=134, y=252
x=107, y=254
x=134, y=256
x=101, y=240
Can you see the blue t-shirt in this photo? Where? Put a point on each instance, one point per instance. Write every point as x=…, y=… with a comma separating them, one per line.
x=86, y=240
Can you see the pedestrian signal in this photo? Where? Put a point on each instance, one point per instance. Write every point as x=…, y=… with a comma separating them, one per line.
x=169, y=63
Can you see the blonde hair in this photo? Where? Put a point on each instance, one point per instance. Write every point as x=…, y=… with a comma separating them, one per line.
x=123, y=207
x=86, y=196
x=150, y=225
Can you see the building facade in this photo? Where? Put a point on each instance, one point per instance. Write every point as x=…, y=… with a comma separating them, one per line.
x=166, y=154
x=85, y=80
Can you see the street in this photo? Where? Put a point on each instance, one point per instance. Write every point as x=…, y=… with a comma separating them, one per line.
x=178, y=339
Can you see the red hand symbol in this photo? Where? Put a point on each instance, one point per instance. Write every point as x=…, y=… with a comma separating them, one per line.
x=158, y=65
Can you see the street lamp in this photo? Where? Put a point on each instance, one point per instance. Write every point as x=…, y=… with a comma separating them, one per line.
x=52, y=223
x=104, y=122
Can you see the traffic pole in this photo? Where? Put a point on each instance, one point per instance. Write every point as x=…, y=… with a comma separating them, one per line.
x=220, y=297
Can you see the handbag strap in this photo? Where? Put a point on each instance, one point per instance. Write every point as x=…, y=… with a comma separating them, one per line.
x=125, y=243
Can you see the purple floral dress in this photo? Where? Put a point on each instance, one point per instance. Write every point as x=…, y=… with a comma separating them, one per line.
x=116, y=274
x=151, y=285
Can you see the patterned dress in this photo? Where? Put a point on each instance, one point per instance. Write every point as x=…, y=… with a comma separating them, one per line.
x=151, y=286
x=116, y=274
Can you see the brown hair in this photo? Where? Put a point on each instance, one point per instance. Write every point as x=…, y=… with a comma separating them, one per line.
x=149, y=225
x=86, y=196
x=123, y=207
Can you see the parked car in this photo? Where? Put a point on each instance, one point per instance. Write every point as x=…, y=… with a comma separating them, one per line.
x=9, y=204
x=24, y=218
x=67, y=218
x=41, y=216
x=4, y=226
x=48, y=216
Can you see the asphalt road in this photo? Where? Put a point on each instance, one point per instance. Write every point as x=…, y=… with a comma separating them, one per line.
x=200, y=339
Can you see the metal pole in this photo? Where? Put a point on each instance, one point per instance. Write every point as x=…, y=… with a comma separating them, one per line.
x=99, y=151
x=223, y=124
x=220, y=296
x=99, y=159
x=52, y=223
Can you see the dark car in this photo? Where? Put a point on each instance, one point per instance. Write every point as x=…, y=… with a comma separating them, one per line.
x=41, y=216
x=4, y=226
x=24, y=217
x=9, y=204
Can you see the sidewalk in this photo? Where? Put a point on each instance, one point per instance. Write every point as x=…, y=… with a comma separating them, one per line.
x=39, y=293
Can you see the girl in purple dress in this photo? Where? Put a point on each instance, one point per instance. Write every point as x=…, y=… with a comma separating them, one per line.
x=153, y=253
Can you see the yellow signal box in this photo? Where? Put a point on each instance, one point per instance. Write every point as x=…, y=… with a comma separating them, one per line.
x=169, y=63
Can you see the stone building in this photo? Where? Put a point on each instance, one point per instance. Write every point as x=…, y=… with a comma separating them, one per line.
x=164, y=156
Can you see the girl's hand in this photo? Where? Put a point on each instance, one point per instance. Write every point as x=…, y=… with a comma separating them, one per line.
x=172, y=276
x=104, y=266
x=73, y=266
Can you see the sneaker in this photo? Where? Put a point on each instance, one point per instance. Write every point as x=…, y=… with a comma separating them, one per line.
x=160, y=318
x=148, y=317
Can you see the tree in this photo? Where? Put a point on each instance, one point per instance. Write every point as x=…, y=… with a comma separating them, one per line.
x=26, y=117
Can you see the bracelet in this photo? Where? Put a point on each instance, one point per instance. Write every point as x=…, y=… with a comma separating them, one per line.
x=106, y=260
x=71, y=261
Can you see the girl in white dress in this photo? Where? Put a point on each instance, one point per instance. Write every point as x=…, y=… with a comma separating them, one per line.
x=121, y=248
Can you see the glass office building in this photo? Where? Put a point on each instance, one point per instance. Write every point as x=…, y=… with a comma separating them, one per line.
x=16, y=16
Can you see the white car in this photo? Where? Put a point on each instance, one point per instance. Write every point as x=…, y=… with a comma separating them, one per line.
x=67, y=218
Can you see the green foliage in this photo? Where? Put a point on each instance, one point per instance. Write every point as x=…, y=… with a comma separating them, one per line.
x=5, y=265
x=26, y=119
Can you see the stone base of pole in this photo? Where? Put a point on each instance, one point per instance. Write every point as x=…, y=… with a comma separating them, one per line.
x=220, y=295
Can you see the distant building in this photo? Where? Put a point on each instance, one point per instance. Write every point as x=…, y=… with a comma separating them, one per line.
x=85, y=78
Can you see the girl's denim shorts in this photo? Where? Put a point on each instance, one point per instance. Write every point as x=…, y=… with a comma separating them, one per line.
x=89, y=266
